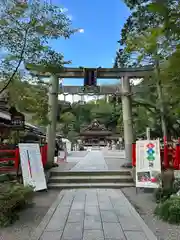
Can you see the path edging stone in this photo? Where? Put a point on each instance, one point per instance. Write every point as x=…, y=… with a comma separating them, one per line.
x=44, y=222
x=149, y=234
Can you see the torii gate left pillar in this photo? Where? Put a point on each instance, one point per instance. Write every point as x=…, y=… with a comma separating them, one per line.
x=52, y=116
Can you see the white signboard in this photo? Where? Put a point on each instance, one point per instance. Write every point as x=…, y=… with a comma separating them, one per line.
x=61, y=157
x=148, y=163
x=32, y=167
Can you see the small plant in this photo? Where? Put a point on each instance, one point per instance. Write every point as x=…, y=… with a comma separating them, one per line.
x=6, y=178
x=13, y=197
x=169, y=210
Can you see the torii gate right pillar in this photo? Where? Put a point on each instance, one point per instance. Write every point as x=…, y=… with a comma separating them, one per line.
x=127, y=119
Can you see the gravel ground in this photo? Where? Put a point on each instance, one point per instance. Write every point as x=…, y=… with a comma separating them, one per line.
x=30, y=217
x=145, y=205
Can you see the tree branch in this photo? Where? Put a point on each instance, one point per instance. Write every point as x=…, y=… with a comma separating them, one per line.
x=19, y=63
x=147, y=105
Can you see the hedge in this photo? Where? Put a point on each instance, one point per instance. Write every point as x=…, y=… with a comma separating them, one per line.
x=13, y=197
x=169, y=210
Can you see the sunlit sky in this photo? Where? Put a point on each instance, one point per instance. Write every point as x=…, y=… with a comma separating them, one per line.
x=96, y=44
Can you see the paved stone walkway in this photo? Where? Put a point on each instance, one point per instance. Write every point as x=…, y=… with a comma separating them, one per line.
x=92, y=214
x=93, y=161
x=114, y=158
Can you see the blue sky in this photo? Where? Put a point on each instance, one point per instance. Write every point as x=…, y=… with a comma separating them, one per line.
x=102, y=21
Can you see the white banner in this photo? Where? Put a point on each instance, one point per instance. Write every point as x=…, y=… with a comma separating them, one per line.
x=31, y=165
x=148, y=163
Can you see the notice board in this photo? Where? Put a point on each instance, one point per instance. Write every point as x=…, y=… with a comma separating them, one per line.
x=148, y=163
x=31, y=165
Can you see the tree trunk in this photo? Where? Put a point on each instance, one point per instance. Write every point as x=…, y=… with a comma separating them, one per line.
x=161, y=100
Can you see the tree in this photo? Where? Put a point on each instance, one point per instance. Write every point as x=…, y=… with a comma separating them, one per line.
x=102, y=111
x=81, y=115
x=30, y=99
x=68, y=120
x=122, y=59
x=82, y=111
x=145, y=36
x=25, y=31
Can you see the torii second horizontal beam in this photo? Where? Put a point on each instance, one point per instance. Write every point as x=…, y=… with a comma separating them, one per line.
x=106, y=73
x=103, y=90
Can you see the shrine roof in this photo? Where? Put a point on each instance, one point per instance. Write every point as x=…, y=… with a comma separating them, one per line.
x=95, y=128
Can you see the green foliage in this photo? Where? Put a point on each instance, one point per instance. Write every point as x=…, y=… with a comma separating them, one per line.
x=169, y=210
x=67, y=117
x=79, y=115
x=6, y=178
x=25, y=31
x=31, y=99
x=13, y=197
x=102, y=111
x=151, y=36
x=121, y=59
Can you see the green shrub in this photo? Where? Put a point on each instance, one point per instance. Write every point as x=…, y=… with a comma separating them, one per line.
x=4, y=178
x=7, y=177
x=13, y=197
x=169, y=210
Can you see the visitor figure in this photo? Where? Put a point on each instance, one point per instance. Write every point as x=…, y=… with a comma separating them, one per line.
x=118, y=147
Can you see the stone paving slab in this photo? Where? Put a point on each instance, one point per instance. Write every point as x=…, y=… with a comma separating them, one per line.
x=111, y=217
x=93, y=161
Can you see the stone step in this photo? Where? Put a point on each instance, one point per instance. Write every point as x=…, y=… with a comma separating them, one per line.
x=121, y=172
x=91, y=179
x=89, y=185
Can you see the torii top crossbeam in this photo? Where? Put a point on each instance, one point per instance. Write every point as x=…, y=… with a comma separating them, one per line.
x=108, y=73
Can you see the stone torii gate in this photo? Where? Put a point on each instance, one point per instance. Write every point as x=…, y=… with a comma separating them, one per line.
x=124, y=90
